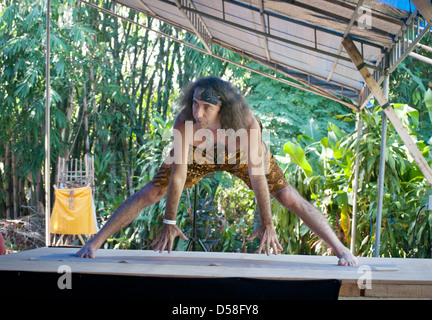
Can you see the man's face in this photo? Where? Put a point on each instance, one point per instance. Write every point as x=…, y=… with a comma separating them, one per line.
x=206, y=114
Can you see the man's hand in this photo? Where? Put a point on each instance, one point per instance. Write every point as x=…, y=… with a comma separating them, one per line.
x=267, y=235
x=166, y=237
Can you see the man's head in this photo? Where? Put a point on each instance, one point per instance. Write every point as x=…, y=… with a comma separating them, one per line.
x=206, y=106
x=218, y=95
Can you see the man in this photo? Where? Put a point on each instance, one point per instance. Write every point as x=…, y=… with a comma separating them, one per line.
x=213, y=115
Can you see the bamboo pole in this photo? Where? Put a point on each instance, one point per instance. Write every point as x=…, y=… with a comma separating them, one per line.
x=420, y=57
x=47, y=130
x=355, y=185
x=381, y=173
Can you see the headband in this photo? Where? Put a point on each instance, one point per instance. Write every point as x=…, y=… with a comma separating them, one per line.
x=207, y=94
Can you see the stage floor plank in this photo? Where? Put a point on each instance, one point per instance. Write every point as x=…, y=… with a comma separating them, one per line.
x=387, y=277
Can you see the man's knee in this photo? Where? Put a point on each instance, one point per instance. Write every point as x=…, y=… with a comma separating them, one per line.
x=151, y=192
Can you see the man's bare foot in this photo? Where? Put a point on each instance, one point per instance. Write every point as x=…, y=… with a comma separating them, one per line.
x=346, y=258
x=87, y=251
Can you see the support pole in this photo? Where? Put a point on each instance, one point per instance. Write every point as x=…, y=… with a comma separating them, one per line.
x=47, y=130
x=381, y=173
x=195, y=238
x=355, y=185
x=425, y=8
x=420, y=57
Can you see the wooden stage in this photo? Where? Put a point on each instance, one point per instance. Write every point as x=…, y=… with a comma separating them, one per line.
x=373, y=278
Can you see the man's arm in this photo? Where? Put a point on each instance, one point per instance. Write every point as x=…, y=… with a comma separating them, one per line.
x=182, y=139
x=256, y=169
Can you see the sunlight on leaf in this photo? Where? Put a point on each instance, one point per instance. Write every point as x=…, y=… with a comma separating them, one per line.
x=298, y=157
x=428, y=102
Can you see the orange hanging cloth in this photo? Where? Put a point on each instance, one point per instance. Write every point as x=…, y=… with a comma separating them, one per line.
x=73, y=212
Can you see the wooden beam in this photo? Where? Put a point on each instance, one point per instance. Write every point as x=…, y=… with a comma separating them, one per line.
x=264, y=30
x=347, y=30
x=425, y=8
x=375, y=277
x=196, y=23
x=358, y=61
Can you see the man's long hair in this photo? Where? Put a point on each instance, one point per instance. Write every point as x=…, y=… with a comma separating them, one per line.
x=234, y=109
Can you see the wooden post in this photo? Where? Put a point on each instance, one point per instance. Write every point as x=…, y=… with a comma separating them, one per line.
x=425, y=8
x=358, y=61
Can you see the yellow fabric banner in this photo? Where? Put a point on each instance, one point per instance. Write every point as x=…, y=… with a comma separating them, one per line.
x=73, y=212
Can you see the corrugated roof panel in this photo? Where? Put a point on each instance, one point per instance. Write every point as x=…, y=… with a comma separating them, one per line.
x=214, y=8
x=237, y=37
x=302, y=37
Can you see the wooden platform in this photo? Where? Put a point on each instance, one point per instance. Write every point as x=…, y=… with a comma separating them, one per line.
x=378, y=277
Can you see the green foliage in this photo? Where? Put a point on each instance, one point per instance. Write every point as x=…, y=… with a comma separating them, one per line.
x=283, y=110
x=105, y=92
x=297, y=156
x=411, y=84
x=114, y=88
x=330, y=184
x=428, y=102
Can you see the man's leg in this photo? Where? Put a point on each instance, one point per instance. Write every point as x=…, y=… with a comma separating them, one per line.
x=293, y=201
x=124, y=215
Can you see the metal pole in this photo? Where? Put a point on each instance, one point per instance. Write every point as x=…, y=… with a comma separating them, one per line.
x=195, y=212
x=47, y=130
x=420, y=57
x=355, y=186
x=381, y=172
x=194, y=238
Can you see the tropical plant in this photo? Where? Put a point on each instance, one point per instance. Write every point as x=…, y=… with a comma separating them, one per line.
x=323, y=169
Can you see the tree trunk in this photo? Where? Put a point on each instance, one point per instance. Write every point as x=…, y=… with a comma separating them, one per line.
x=148, y=101
x=94, y=105
x=128, y=167
x=169, y=72
x=14, y=186
x=86, y=129
x=68, y=132
x=7, y=175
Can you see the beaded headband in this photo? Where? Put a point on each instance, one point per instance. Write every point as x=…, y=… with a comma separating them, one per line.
x=208, y=95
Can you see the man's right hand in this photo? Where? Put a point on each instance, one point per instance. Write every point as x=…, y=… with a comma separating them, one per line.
x=166, y=238
x=88, y=250
x=268, y=237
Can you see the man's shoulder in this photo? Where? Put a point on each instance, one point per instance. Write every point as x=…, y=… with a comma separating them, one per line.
x=253, y=122
x=184, y=128
x=179, y=121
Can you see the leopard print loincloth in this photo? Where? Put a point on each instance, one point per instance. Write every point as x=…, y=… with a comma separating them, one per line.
x=201, y=163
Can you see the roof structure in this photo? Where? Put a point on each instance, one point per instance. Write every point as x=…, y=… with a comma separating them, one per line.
x=302, y=39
